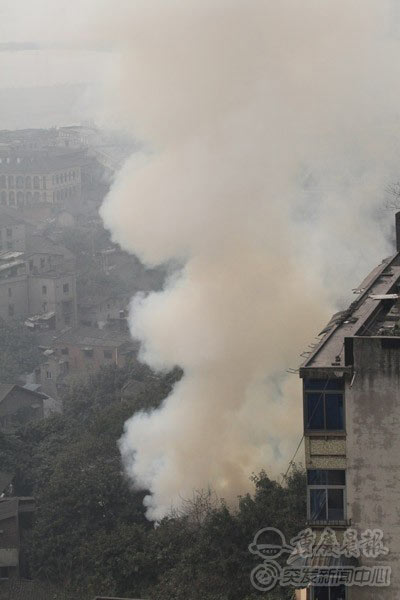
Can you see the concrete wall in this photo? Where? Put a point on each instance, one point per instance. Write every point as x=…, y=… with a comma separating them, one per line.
x=373, y=453
x=12, y=237
x=55, y=299
x=17, y=297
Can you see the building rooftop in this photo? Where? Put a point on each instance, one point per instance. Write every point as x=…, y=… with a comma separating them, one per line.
x=40, y=161
x=7, y=388
x=361, y=316
x=38, y=244
x=375, y=312
x=88, y=337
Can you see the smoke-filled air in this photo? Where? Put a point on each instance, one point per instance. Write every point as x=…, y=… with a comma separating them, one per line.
x=269, y=132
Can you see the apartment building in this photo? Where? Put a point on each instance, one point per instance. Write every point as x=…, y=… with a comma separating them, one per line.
x=12, y=231
x=37, y=278
x=351, y=389
x=80, y=350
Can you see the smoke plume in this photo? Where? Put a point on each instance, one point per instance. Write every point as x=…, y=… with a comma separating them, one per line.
x=270, y=131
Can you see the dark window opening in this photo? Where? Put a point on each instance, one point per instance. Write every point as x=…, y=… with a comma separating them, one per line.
x=324, y=409
x=329, y=593
x=326, y=498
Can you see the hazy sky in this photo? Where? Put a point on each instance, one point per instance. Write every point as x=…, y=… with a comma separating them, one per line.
x=53, y=27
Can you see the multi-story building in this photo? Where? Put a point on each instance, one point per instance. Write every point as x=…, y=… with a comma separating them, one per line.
x=83, y=350
x=351, y=383
x=33, y=177
x=37, y=279
x=12, y=231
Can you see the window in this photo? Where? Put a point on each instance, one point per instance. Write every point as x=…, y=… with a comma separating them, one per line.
x=31, y=265
x=108, y=354
x=42, y=263
x=66, y=288
x=329, y=593
x=4, y=572
x=49, y=375
x=324, y=404
x=9, y=245
x=9, y=292
x=326, y=494
x=88, y=352
x=9, y=232
x=44, y=306
x=64, y=351
x=44, y=290
x=11, y=310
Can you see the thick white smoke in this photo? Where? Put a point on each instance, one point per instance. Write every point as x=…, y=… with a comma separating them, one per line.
x=271, y=131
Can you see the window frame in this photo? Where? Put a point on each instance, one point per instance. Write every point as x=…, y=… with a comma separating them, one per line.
x=326, y=487
x=324, y=392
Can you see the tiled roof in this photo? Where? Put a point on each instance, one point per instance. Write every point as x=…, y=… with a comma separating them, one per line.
x=40, y=161
x=5, y=389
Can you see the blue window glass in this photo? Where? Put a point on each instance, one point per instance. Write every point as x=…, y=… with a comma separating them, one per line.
x=324, y=384
x=329, y=593
x=318, y=505
x=317, y=477
x=315, y=411
x=326, y=477
x=334, y=411
x=335, y=504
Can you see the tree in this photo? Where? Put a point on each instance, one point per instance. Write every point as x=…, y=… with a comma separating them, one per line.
x=91, y=535
x=18, y=351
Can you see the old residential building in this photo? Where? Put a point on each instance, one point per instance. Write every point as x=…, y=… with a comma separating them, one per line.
x=351, y=383
x=12, y=231
x=81, y=350
x=19, y=405
x=37, y=279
